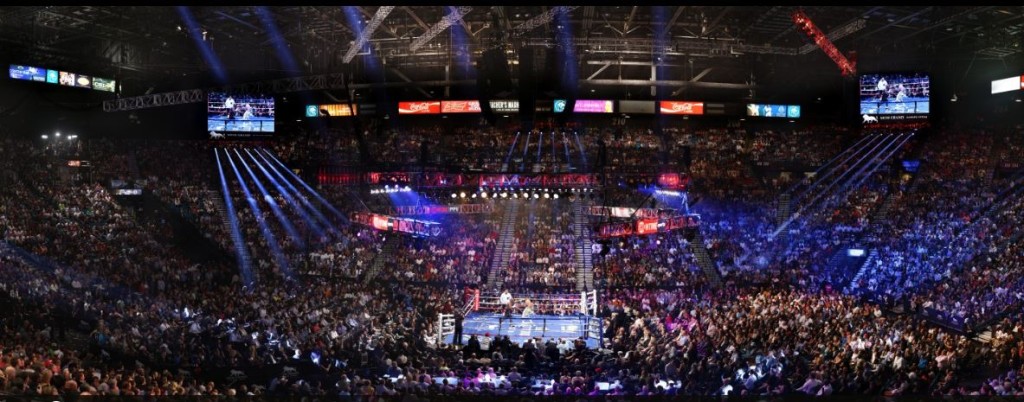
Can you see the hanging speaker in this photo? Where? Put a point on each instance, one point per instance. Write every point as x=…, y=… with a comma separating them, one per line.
x=483, y=87
x=496, y=72
x=527, y=84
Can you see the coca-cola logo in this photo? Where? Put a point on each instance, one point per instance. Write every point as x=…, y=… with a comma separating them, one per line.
x=682, y=107
x=419, y=107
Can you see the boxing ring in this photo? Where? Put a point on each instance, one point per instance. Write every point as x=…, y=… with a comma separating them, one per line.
x=566, y=316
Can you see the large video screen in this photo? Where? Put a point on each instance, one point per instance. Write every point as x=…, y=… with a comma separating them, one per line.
x=1002, y=85
x=885, y=96
x=239, y=113
x=28, y=73
x=585, y=106
x=765, y=110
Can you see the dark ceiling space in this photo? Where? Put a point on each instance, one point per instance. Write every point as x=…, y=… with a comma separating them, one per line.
x=153, y=49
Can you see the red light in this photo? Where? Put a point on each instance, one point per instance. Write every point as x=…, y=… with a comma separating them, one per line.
x=822, y=41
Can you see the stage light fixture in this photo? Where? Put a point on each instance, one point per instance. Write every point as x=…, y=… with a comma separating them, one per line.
x=536, y=195
x=483, y=194
x=555, y=196
x=546, y=195
x=504, y=194
x=473, y=196
x=454, y=195
x=462, y=194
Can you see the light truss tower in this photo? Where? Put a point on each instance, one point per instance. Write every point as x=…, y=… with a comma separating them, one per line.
x=542, y=19
x=819, y=38
x=448, y=20
x=364, y=36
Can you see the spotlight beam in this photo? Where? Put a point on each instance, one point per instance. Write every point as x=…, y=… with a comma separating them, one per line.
x=526, y=149
x=284, y=54
x=845, y=176
x=889, y=141
x=298, y=194
x=540, y=145
x=308, y=188
x=288, y=197
x=196, y=32
x=846, y=172
x=579, y=145
x=869, y=168
x=236, y=234
x=511, y=149
x=830, y=162
x=275, y=248
x=281, y=217
x=565, y=144
x=554, y=145
x=820, y=179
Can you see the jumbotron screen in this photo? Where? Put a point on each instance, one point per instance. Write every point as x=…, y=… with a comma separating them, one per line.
x=235, y=113
x=894, y=96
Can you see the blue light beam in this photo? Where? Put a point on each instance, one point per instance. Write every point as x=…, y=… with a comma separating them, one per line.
x=275, y=248
x=236, y=233
x=308, y=188
x=284, y=54
x=281, y=217
x=324, y=222
x=300, y=209
x=196, y=32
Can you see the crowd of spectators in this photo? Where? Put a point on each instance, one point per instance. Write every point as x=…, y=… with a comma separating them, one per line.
x=99, y=302
x=460, y=254
x=950, y=246
x=651, y=261
x=544, y=246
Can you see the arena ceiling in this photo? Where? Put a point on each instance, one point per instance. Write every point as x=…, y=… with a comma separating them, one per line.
x=414, y=49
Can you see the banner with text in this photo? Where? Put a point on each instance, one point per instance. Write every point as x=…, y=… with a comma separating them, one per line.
x=460, y=106
x=648, y=226
x=683, y=108
x=627, y=212
x=350, y=176
x=419, y=107
x=505, y=106
x=394, y=224
x=443, y=209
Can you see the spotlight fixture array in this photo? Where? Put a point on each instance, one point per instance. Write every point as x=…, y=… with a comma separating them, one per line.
x=546, y=193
